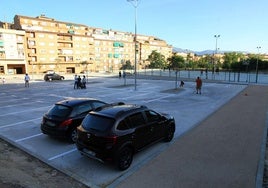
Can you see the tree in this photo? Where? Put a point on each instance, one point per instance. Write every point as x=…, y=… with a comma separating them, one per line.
x=175, y=62
x=84, y=64
x=127, y=65
x=205, y=62
x=233, y=60
x=157, y=60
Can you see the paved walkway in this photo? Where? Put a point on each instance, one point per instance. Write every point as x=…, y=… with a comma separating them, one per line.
x=223, y=151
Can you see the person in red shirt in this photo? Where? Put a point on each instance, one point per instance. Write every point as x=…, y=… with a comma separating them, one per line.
x=198, y=82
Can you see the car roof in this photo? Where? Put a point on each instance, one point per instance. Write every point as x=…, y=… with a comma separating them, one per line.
x=115, y=111
x=75, y=101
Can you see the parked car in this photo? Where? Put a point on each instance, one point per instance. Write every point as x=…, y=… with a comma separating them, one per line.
x=53, y=76
x=49, y=72
x=66, y=115
x=116, y=133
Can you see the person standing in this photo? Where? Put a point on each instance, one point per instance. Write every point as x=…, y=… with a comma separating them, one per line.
x=84, y=82
x=182, y=83
x=27, y=80
x=75, y=82
x=198, y=82
x=79, y=82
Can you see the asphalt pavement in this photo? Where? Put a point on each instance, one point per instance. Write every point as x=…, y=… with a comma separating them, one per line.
x=219, y=138
x=224, y=150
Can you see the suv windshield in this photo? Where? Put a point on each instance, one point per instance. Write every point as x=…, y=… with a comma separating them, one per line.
x=59, y=111
x=99, y=123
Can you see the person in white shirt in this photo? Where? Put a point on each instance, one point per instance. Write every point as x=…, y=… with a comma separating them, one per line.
x=27, y=80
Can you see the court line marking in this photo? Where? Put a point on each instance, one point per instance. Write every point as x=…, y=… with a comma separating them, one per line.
x=21, y=122
x=62, y=154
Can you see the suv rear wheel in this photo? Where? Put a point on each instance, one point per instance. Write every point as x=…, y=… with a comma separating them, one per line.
x=124, y=158
x=73, y=135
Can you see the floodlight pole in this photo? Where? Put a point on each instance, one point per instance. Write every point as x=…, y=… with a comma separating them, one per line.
x=135, y=4
x=216, y=51
x=257, y=64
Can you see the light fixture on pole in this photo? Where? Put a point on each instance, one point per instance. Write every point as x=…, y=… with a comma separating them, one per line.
x=135, y=4
x=216, y=51
x=257, y=64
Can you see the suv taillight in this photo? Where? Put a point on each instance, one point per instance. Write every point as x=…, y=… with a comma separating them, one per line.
x=66, y=123
x=111, y=139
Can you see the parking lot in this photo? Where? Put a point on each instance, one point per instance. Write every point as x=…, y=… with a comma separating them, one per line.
x=22, y=109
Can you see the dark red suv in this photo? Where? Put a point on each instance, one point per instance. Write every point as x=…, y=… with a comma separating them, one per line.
x=115, y=133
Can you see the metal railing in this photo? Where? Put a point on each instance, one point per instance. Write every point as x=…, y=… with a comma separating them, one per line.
x=225, y=76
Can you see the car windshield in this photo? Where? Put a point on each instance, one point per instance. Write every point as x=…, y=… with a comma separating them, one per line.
x=60, y=111
x=99, y=123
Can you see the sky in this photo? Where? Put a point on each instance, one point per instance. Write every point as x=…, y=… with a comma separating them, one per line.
x=187, y=24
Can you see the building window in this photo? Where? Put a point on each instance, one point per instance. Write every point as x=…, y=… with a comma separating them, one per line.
x=43, y=51
x=52, y=51
x=2, y=69
x=44, y=23
x=69, y=58
x=31, y=43
x=42, y=59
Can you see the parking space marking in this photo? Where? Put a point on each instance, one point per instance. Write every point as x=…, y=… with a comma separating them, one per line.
x=62, y=154
x=29, y=137
x=59, y=96
x=12, y=100
x=21, y=122
x=135, y=96
x=24, y=111
x=18, y=104
x=157, y=99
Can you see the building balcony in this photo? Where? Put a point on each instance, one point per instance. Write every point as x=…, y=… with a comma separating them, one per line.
x=31, y=54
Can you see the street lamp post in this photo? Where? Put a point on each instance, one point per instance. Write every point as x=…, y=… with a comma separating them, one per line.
x=135, y=4
x=257, y=64
x=216, y=51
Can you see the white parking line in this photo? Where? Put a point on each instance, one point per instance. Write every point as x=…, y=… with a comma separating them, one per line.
x=62, y=154
x=12, y=100
x=24, y=111
x=29, y=137
x=21, y=122
x=136, y=96
x=18, y=104
x=156, y=99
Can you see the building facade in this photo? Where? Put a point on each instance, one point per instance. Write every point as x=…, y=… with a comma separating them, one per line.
x=12, y=51
x=38, y=44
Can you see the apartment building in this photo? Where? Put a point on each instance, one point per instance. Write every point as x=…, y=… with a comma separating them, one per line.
x=43, y=43
x=12, y=51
